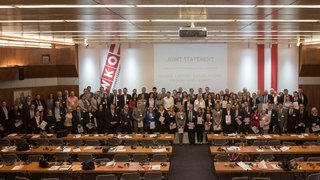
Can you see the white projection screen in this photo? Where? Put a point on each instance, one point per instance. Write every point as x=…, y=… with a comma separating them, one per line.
x=190, y=65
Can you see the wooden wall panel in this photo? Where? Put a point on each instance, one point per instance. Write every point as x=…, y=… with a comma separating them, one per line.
x=313, y=93
x=309, y=61
x=7, y=94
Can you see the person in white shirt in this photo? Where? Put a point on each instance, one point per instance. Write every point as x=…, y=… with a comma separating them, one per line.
x=168, y=101
x=199, y=103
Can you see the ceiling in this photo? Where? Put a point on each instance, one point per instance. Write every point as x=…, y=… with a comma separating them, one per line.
x=286, y=21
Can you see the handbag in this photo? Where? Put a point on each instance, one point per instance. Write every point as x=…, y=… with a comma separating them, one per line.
x=62, y=133
x=88, y=165
x=43, y=163
x=23, y=147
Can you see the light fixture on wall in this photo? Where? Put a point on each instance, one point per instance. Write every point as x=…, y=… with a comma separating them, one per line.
x=85, y=43
x=298, y=40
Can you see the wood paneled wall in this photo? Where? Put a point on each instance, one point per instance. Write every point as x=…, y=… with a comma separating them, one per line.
x=309, y=61
x=7, y=94
x=313, y=93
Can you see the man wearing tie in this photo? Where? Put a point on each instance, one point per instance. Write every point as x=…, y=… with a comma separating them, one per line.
x=191, y=123
x=303, y=99
x=124, y=98
x=282, y=119
x=228, y=119
x=113, y=119
x=40, y=104
x=114, y=98
x=293, y=119
x=5, y=125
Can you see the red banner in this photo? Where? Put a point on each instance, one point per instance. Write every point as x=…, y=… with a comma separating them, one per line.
x=108, y=77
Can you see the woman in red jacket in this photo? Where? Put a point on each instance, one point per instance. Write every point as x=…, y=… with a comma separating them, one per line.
x=255, y=121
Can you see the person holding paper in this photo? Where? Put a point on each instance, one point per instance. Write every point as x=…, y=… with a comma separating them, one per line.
x=200, y=125
x=168, y=101
x=217, y=118
x=228, y=119
x=36, y=122
x=88, y=121
x=59, y=114
x=180, y=121
x=126, y=120
x=282, y=119
x=171, y=121
x=15, y=115
x=264, y=122
x=39, y=103
x=208, y=120
x=77, y=121
x=255, y=121
x=293, y=118
x=303, y=119
x=138, y=116
x=68, y=120
x=239, y=125
x=191, y=122
x=151, y=121
x=112, y=119
x=162, y=123
x=246, y=113
x=314, y=120
x=51, y=122
x=101, y=119
x=273, y=117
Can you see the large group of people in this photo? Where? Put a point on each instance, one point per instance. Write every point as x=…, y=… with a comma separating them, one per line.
x=179, y=111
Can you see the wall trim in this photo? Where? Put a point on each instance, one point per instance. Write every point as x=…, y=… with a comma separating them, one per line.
x=309, y=80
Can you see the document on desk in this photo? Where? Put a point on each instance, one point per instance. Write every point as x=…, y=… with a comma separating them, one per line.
x=54, y=168
x=244, y=166
x=316, y=128
x=18, y=167
x=156, y=167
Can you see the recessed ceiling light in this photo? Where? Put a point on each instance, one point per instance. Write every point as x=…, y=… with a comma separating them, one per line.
x=277, y=20
x=288, y=6
x=192, y=6
x=192, y=20
x=76, y=6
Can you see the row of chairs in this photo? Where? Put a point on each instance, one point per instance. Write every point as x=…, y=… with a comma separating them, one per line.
x=62, y=156
x=124, y=176
x=80, y=142
x=315, y=176
x=222, y=142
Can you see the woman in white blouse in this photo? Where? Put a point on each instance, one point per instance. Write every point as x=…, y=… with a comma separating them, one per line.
x=217, y=118
x=199, y=103
x=264, y=122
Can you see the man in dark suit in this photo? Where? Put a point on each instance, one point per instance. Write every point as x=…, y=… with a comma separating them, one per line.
x=267, y=98
x=30, y=112
x=284, y=96
x=114, y=98
x=303, y=99
x=191, y=120
x=228, y=119
x=124, y=98
x=58, y=112
x=113, y=119
x=273, y=116
x=246, y=116
x=5, y=127
x=144, y=91
x=293, y=119
x=39, y=103
x=77, y=121
x=254, y=101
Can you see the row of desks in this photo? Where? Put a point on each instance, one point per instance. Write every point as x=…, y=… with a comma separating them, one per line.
x=265, y=150
x=90, y=150
x=102, y=137
x=281, y=137
x=118, y=168
x=271, y=167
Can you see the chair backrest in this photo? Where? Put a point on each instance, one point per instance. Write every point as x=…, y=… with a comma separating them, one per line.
x=121, y=158
x=130, y=176
x=106, y=177
x=310, y=143
x=131, y=143
x=20, y=141
x=266, y=157
x=35, y=158
x=9, y=158
x=313, y=159
x=140, y=158
x=57, y=142
x=4, y=142
x=240, y=178
x=219, y=142
x=222, y=158
x=241, y=143
x=75, y=142
x=274, y=143
x=42, y=142
x=299, y=159
x=147, y=143
x=85, y=157
x=21, y=178
x=259, y=143
x=159, y=158
x=113, y=142
x=93, y=143
x=261, y=178
x=162, y=142
x=61, y=156
x=286, y=143
x=153, y=176
x=315, y=176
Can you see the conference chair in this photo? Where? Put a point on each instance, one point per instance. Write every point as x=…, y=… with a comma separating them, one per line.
x=57, y=142
x=121, y=158
x=286, y=143
x=299, y=159
x=142, y=158
x=313, y=159
x=85, y=157
x=49, y=178
x=261, y=178
x=147, y=143
x=222, y=158
x=259, y=143
x=241, y=143
x=159, y=158
x=106, y=177
x=266, y=157
x=130, y=176
x=75, y=142
x=4, y=142
x=315, y=176
x=42, y=142
x=21, y=178
x=131, y=143
x=161, y=142
x=153, y=176
x=9, y=158
x=35, y=158
x=240, y=178
x=113, y=142
x=61, y=156
x=93, y=143
x=20, y=141
x=274, y=143
x=219, y=142
x=310, y=143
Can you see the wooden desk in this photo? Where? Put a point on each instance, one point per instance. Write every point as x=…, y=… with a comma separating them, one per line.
x=226, y=167
x=266, y=150
x=92, y=150
x=103, y=137
x=282, y=137
x=76, y=168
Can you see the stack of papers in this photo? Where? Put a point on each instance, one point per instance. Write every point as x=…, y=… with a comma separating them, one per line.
x=8, y=148
x=35, y=136
x=244, y=166
x=233, y=148
x=262, y=165
x=76, y=150
x=153, y=135
x=251, y=137
x=232, y=135
x=156, y=167
x=111, y=163
x=274, y=149
x=65, y=167
x=267, y=136
x=54, y=168
x=88, y=147
x=77, y=136
x=159, y=150
x=18, y=167
x=11, y=135
x=120, y=149
x=285, y=148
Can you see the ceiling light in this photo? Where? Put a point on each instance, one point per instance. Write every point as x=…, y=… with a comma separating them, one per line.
x=288, y=6
x=30, y=21
x=109, y=20
x=192, y=6
x=6, y=7
x=277, y=20
x=192, y=20
x=76, y=6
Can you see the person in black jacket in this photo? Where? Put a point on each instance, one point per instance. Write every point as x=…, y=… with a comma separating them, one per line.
x=273, y=115
x=51, y=122
x=161, y=114
x=303, y=119
x=314, y=121
x=101, y=119
x=126, y=120
x=113, y=119
x=191, y=121
x=293, y=119
x=228, y=119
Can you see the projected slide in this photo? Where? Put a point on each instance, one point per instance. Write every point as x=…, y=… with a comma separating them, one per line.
x=194, y=65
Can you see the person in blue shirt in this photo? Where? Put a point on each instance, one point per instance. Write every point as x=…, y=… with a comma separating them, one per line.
x=151, y=121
